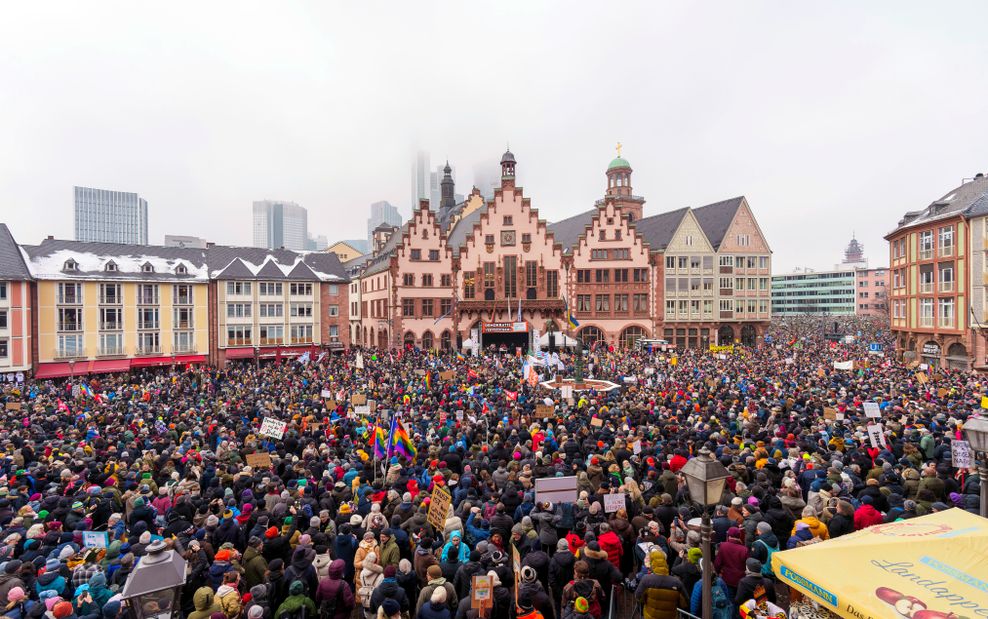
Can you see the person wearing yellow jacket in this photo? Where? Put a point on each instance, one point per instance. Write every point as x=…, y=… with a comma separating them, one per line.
x=660, y=594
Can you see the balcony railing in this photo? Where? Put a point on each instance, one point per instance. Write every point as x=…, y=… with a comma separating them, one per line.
x=925, y=254
x=69, y=353
x=184, y=348
x=111, y=351
x=149, y=350
x=926, y=321
x=946, y=286
x=926, y=287
x=271, y=341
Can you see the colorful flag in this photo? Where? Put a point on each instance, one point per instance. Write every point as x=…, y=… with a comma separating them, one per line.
x=428, y=380
x=401, y=442
x=379, y=441
x=471, y=375
x=511, y=396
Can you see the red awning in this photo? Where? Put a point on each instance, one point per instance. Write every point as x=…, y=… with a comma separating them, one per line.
x=81, y=368
x=187, y=359
x=53, y=370
x=239, y=353
x=103, y=367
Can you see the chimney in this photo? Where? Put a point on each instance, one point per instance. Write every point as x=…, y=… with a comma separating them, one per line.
x=51, y=238
x=210, y=244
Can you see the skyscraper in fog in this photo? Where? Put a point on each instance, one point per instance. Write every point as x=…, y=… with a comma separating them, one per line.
x=487, y=177
x=382, y=212
x=106, y=216
x=280, y=224
x=420, y=179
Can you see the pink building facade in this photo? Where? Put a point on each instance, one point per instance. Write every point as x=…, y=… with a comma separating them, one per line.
x=16, y=303
x=871, y=288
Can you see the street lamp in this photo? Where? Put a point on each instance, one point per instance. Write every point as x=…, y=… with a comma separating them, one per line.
x=155, y=586
x=705, y=478
x=976, y=431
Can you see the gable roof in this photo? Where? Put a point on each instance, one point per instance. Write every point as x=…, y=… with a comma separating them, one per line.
x=658, y=230
x=235, y=270
x=716, y=218
x=12, y=266
x=47, y=260
x=463, y=228
x=966, y=200
x=567, y=231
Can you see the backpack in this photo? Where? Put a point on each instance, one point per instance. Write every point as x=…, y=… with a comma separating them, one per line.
x=721, y=607
x=767, y=565
x=364, y=593
x=327, y=608
x=298, y=613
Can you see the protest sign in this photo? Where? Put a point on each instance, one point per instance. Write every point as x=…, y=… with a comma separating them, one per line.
x=13, y=406
x=481, y=593
x=941, y=392
x=325, y=393
x=876, y=434
x=872, y=410
x=829, y=413
x=543, y=411
x=556, y=489
x=330, y=405
x=439, y=507
x=922, y=378
x=358, y=399
x=447, y=375
x=843, y=365
x=613, y=502
x=360, y=361
x=566, y=391
x=95, y=539
x=636, y=447
x=362, y=410
x=960, y=454
x=597, y=422
x=274, y=428
x=259, y=460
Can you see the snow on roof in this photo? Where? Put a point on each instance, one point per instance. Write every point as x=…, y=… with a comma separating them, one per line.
x=93, y=265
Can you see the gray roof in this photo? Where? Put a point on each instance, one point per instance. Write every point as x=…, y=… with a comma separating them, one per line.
x=47, y=261
x=966, y=200
x=657, y=230
x=381, y=260
x=457, y=236
x=12, y=265
x=568, y=231
x=716, y=218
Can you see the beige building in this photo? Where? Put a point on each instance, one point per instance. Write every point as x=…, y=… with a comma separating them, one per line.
x=344, y=251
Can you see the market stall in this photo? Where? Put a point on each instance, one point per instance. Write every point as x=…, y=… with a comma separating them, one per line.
x=930, y=567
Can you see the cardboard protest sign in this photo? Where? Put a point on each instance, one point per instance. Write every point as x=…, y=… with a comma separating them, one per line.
x=542, y=411
x=358, y=399
x=13, y=406
x=274, y=428
x=331, y=405
x=830, y=413
x=447, y=375
x=566, y=392
x=922, y=378
x=482, y=592
x=373, y=405
x=362, y=410
x=941, y=392
x=439, y=506
x=872, y=410
x=843, y=365
x=259, y=460
x=613, y=502
x=420, y=372
x=597, y=422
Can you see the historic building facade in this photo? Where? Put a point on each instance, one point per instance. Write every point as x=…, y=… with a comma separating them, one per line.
x=937, y=294
x=16, y=343
x=496, y=272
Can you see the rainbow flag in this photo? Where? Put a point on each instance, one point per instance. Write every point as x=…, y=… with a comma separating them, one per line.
x=428, y=380
x=379, y=441
x=401, y=443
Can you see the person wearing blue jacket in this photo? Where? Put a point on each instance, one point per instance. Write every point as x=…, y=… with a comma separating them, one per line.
x=476, y=533
x=455, y=545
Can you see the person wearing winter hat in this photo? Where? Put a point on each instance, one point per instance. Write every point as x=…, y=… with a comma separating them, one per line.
x=63, y=610
x=297, y=601
x=436, y=607
x=730, y=558
x=389, y=609
x=754, y=585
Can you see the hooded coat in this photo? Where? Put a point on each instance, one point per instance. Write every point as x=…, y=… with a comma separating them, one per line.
x=333, y=587
x=660, y=594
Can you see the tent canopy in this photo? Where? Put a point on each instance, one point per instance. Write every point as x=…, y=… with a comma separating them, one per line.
x=937, y=563
x=562, y=340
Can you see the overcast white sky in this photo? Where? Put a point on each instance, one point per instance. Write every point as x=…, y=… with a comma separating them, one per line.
x=829, y=116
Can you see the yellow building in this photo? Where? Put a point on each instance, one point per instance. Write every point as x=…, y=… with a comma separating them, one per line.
x=344, y=250
x=104, y=307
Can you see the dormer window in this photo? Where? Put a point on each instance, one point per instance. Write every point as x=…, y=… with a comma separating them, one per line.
x=181, y=270
x=70, y=265
x=111, y=267
x=147, y=268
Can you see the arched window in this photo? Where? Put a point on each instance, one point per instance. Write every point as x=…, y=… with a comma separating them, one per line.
x=427, y=340
x=591, y=335
x=748, y=335
x=631, y=335
x=181, y=270
x=70, y=265
x=725, y=335
x=409, y=339
x=445, y=340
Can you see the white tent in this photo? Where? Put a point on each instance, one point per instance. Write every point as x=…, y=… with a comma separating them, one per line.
x=562, y=341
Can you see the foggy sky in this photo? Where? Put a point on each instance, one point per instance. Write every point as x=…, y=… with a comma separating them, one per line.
x=831, y=117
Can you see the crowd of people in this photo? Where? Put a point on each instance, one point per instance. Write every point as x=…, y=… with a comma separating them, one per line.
x=329, y=528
